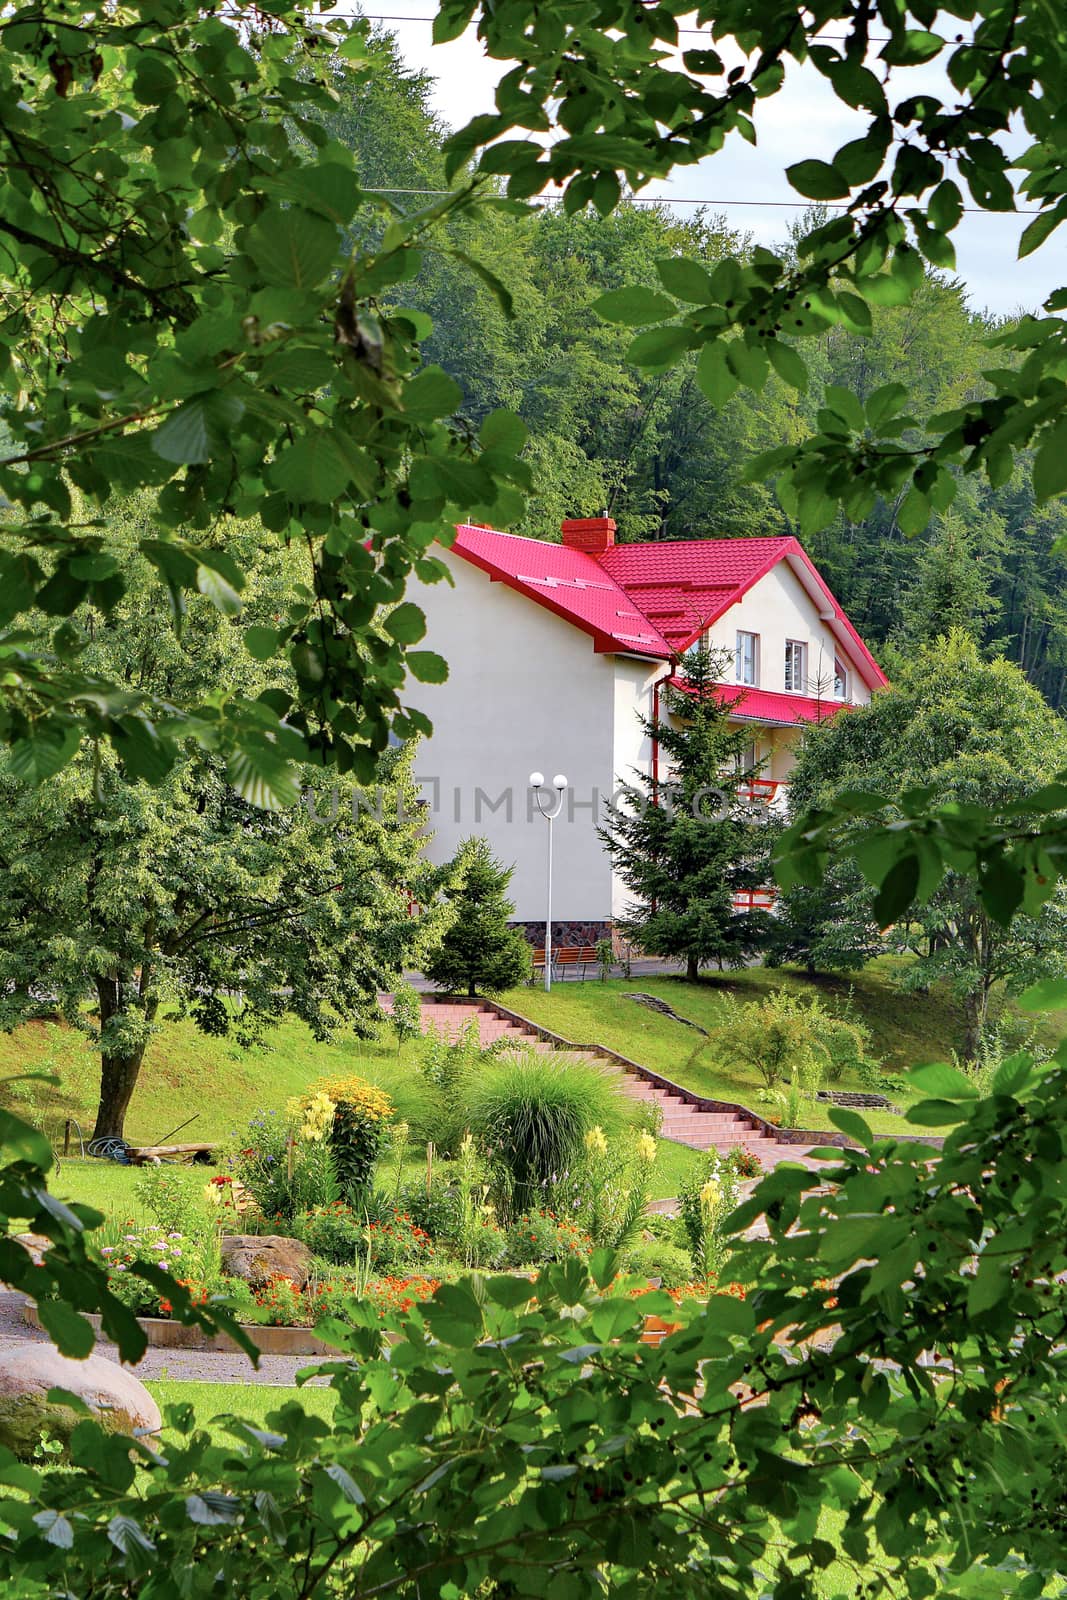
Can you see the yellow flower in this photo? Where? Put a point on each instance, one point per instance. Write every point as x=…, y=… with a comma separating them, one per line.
x=213, y=1194
x=595, y=1142
x=355, y=1093
x=646, y=1148
x=318, y=1119
x=710, y=1195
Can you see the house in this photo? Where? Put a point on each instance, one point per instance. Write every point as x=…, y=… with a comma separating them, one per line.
x=556, y=652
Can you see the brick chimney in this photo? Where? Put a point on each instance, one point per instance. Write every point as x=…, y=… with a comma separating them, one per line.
x=591, y=534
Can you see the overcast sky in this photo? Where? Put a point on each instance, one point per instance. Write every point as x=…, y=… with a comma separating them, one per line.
x=804, y=120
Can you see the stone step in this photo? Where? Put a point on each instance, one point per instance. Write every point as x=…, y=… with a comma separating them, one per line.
x=683, y=1123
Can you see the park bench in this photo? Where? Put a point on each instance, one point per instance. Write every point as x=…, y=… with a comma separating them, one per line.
x=568, y=958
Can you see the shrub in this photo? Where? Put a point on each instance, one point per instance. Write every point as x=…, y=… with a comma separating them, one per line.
x=287, y=1166
x=540, y=1236
x=356, y=1129
x=533, y=1112
x=166, y=1195
x=335, y=1233
x=670, y=1263
x=743, y=1162
x=405, y=1015
x=192, y=1261
x=433, y=1209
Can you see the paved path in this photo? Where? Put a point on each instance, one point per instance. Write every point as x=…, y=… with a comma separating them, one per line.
x=205, y=1366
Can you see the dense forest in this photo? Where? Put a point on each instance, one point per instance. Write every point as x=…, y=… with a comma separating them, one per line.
x=659, y=455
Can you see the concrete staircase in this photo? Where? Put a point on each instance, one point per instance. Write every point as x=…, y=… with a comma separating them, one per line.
x=687, y=1119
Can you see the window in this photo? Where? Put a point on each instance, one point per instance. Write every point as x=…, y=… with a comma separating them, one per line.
x=840, y=679
x=796, y=666
x=746, y=658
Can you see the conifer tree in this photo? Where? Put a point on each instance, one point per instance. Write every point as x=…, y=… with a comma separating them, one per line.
x=686, y=845
x=479, y=951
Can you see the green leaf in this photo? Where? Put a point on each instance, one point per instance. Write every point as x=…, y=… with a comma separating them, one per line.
x=262, y=643
x=943, y=1081
x=128, y=1536
x=788, y=364
x=935, y=1113
x=885, y=402
x=845, y=405
x=990, y=1285
x=198, y=429
x=43, y=750
x=1035, y=234
x=427, y=666
x=634, y=306
x=71, y=1333
x=687, y=280
x=431, y=393
x=1048, y=995
x=406, y=624
x=714, y=377
x=852, y=1123
x=818, y=180
x=56, y=1529
x=503, y=430
x=263, y=776
x=898, y=890
x=314, y=470
x=660, y=347
x=292, y=247
x=1050, y=463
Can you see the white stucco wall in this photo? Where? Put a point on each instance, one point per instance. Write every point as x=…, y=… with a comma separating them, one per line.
x=778, y=608
x=634, y=684
x=525, y=692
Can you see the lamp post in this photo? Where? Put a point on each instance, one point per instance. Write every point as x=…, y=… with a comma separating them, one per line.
x=550, y=812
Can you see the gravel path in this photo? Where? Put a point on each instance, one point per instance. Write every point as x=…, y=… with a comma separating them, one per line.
x=203, y=1366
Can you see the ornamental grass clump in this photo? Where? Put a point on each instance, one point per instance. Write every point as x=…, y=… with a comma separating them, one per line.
x=532, y=1112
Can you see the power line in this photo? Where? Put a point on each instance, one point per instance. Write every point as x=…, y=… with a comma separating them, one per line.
x=692, y=200
x=701, y=33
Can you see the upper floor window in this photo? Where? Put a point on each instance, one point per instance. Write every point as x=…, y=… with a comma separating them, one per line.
x=796, y=666
x=746, y=658
x=840, y=679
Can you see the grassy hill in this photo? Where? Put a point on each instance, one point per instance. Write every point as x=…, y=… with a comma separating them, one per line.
x=907, y=1029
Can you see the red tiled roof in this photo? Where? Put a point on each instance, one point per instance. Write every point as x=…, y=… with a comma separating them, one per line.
x=569, y=582
x=654, y=599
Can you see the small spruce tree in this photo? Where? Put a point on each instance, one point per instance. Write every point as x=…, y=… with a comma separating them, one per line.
x=480, y=951
x=695, y=839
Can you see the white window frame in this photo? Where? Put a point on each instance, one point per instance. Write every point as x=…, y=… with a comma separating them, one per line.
x=842, y=686
x=739, y=659
x=791, y=646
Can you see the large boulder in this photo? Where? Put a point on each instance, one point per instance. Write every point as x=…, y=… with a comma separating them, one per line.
x=117, y=1400
x=259, y=1258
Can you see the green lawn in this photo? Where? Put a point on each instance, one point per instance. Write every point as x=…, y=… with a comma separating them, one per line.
x=253, y=1402
x=188, y=1073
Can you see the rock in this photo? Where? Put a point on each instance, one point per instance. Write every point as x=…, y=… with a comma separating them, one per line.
x=259, y=1258
x=118, y=1400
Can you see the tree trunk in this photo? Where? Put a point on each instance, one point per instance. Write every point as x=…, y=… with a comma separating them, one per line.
x=975, y=1010
x=118, y=1073
x=692, y=969
x=118, y=1079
